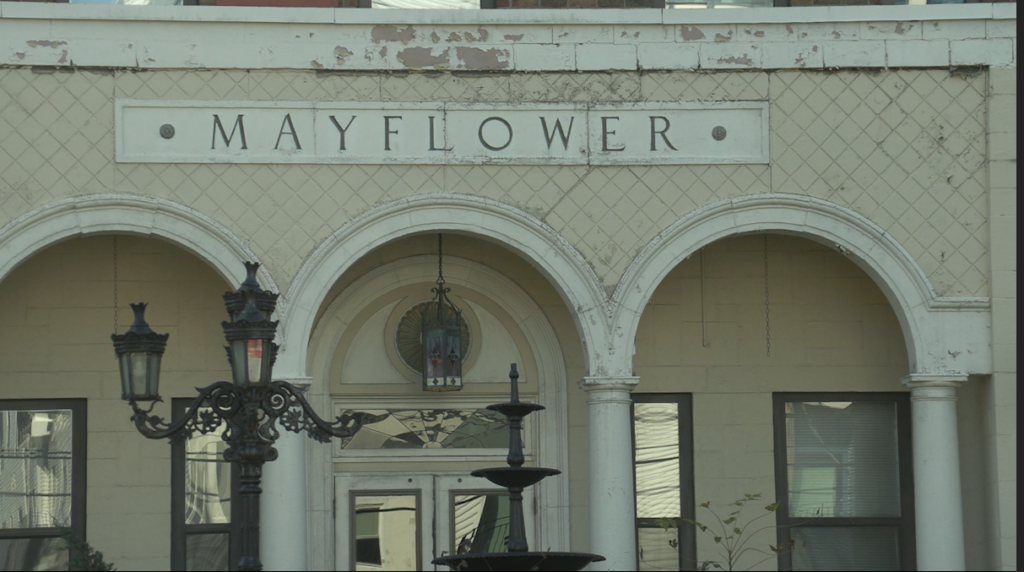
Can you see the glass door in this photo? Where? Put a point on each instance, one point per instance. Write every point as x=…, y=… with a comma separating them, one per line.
x=380, y=522
x=473, y=516
x=402, y=521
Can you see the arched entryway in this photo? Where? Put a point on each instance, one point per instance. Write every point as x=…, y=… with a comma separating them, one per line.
x=57, y=312
x=944, y=338
x=510, y=312
x=742, y=323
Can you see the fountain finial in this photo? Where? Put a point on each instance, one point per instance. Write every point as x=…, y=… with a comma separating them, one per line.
x=513, y=376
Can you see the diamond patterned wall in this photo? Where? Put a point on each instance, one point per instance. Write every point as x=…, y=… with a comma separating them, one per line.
x=906, y=149
x=56, y=137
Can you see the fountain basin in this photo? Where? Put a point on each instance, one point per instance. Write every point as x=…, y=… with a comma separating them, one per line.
x=515, y=477
x=501, y=561
x=517, y=409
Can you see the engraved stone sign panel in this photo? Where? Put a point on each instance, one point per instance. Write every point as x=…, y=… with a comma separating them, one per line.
x=154, y=131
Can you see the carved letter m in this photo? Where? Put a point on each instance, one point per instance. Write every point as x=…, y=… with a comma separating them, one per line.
x=239, y=126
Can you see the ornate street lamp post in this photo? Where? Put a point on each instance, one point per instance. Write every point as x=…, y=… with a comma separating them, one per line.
x=251, y=404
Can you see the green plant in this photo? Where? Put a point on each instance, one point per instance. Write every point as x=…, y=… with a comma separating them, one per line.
x=734, y=535
x=81, y=556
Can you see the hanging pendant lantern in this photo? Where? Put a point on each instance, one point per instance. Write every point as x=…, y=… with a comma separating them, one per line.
x=442, y=338
x=139, y=351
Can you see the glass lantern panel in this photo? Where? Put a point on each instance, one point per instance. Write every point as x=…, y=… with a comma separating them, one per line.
x=254, y=359
x=139, y=365
x=239, y=361
x=454, y=354
x=35, y=469
x=124, y=362
x=433, y=357
x=153, y=376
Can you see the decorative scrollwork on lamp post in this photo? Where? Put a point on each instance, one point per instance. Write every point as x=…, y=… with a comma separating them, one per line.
x=251, y=405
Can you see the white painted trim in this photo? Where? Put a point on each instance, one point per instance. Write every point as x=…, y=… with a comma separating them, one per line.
x=810, y=14
x=545, y=431
x=347, y=40
x=936, y=340
x=510, y=227
x=73, y=217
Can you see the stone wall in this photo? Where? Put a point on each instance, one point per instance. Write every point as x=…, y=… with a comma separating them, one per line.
x=905, y=148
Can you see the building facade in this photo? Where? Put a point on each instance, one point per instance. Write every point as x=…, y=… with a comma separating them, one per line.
x=764, y=251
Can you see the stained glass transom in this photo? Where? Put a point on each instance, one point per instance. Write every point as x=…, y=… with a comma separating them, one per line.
x=429, y=429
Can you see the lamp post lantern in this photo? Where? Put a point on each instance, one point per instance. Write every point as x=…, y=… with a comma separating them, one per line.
x=251, y=404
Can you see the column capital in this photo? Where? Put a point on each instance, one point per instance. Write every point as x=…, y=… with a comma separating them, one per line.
x=934, y=380
x=604, y=383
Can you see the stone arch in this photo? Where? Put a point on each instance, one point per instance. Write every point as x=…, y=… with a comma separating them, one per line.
x=512, y=228
x=541, y=347
x=941, y=334
x=193, y=231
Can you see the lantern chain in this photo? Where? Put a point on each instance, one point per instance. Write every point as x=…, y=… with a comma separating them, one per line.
x=767, y=322
x=440, y=275
x=115, y=284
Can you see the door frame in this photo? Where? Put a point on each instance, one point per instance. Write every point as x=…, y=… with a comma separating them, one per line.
x=434, y=519
x=383, y=484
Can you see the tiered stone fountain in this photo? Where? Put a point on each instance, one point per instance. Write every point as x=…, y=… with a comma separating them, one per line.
x=515, y=477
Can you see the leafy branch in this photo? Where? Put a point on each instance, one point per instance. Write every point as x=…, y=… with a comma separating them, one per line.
x=734, y=535
x=81, y=556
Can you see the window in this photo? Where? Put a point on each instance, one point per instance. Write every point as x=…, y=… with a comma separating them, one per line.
x=42, y=481
x=204, y=531
x=663, y=473
x=844, y=481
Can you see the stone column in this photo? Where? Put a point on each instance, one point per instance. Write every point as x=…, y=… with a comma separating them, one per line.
x=937, y=502
x=612, y=493
x=283, y=507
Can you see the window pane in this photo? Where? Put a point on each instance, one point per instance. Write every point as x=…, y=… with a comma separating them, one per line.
x=842, y=459
x=35, y=468
x=846, y=548
x=32, y=554
x=207, y=552
x=207, y=481
x=430, y=429
x=395, y=544
x=656, y=426
x=658, y=548
x=480, y=523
